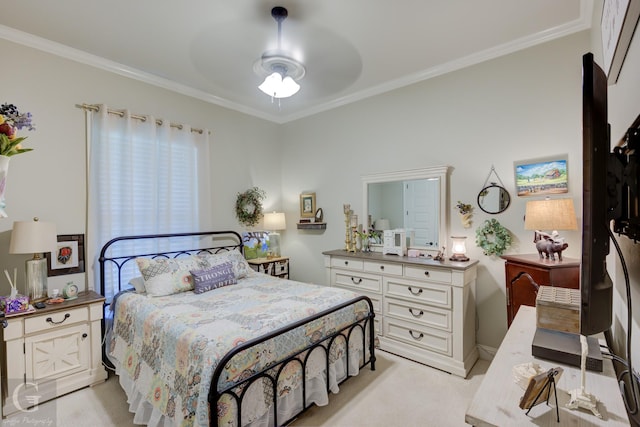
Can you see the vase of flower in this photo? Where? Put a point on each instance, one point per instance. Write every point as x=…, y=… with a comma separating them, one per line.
x=11, y=121
x=4, y=169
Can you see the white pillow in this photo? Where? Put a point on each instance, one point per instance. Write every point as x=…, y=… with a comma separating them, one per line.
x=169, y=276
x=241, y=267
x=138, y=284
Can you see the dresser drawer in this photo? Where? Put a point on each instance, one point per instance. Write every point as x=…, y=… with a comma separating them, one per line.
x=427, y=273
x=383, y=268
x=419, y=313
x=376, y=298
x=55, y=319
x=426, y=293
x=418, y=335
x=350, y=263
x=356, y=281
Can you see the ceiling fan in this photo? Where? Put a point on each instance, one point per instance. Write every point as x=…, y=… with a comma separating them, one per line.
x=281, y=72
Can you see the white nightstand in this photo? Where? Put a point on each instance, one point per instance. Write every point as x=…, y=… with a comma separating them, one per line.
x=51, y=351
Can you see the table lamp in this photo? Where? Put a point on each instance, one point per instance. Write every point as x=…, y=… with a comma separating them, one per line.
x=34, y=237
x=458, y=249
x=273, y=222
x=552, y=215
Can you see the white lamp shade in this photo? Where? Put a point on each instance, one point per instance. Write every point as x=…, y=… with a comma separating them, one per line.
x=274, y=221
x=30, y=237
x=458, y=245
x=550, y=214
x=274, y=85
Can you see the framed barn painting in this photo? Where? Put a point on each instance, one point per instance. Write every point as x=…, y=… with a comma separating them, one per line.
x=539, y=177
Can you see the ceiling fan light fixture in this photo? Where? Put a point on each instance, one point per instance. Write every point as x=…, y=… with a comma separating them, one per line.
x=277, y=87
x=281, y=71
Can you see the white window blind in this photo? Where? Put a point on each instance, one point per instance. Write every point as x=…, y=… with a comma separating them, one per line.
x=144, y=178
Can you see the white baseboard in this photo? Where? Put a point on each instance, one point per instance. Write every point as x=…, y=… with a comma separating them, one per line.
x=486, y=352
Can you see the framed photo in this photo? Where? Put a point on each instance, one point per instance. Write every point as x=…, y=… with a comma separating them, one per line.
x=68, y=257
x=539, y=388
x=307, y=205
x=619, y=20
x=543, y=176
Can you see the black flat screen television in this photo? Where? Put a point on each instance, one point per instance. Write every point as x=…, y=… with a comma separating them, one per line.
x=596, y=287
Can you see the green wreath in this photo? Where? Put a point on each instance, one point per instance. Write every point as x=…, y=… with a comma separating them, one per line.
x=249, y=206
x=493, y=238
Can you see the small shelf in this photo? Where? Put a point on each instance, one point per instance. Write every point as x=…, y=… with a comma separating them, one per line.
x=312, y=226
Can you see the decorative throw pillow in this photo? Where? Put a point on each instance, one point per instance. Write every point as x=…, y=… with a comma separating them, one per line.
x=241, y=267
x=214, y=277
x=169, y=276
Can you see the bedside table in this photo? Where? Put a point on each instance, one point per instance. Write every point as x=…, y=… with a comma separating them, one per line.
x=51, y=351
x=276, y=266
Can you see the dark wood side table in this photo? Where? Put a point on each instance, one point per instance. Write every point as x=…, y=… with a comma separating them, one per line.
x=522, y=291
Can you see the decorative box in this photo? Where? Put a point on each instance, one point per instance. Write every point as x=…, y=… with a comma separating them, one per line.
x=14, y=305
x=558, y=309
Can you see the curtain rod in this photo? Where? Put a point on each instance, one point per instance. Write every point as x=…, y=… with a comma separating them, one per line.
x=93, y=107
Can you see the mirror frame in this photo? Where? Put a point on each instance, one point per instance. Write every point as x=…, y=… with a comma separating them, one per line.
x=500, y=188
x=439, y=172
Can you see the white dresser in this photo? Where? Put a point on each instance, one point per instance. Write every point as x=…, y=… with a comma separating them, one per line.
x=425, y=309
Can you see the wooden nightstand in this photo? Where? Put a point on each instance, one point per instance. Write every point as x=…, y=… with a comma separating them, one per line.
x=276, y=266
x=520, y=290
x=51, y=351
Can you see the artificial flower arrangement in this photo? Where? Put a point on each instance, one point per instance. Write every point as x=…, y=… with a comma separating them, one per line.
x=11, y=121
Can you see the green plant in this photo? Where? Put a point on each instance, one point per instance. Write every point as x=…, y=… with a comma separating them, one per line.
x=249, y=206
x=493, y=238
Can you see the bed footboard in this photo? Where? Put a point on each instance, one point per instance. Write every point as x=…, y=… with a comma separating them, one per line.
x=273, y=372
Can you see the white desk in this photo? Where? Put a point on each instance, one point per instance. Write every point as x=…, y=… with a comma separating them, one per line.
x=496, y=401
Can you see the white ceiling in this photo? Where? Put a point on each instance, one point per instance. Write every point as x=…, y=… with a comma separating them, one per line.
x=351, y=49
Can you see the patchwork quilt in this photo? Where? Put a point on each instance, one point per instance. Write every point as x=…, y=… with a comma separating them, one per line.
x=170, y=345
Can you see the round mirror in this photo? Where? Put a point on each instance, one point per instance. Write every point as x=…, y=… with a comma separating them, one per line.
x=494, y=199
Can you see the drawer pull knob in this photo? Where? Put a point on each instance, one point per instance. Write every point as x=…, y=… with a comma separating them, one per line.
x=417, y=338
x=426, y=273
x=418, y=315
x=346, y=263
x=358, y=282
x=50, y=320
x=414, y=293
x=84, y=336
x=382, y=267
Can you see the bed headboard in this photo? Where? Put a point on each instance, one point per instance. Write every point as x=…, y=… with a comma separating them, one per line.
x=119, y=254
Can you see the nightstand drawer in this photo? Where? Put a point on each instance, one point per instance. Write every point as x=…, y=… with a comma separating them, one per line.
x=280, y=267
x=56, y=319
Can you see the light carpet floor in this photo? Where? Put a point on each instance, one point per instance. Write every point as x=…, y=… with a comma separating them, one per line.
x=398, y=393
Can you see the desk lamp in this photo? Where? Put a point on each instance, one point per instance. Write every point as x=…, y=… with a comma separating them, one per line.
x=34, y=237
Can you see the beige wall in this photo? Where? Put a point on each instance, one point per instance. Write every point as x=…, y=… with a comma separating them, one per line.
x=50, y=181
x=521, y=106
x=624, y=108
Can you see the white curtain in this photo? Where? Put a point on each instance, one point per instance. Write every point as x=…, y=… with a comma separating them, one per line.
x=143, y=178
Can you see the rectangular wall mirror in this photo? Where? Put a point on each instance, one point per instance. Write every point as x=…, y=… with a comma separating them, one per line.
x=413, y=200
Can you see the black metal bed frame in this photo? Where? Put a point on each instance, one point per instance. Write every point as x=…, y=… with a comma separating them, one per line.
x=271, y=372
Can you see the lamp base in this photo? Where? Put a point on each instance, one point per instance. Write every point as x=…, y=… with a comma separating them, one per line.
x=459, y=258
x=36, y=270
x=274, y=244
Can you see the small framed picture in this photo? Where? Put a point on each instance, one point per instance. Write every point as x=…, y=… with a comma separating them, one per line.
x=539, y=177
x=307, y=205
x=68, y=257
